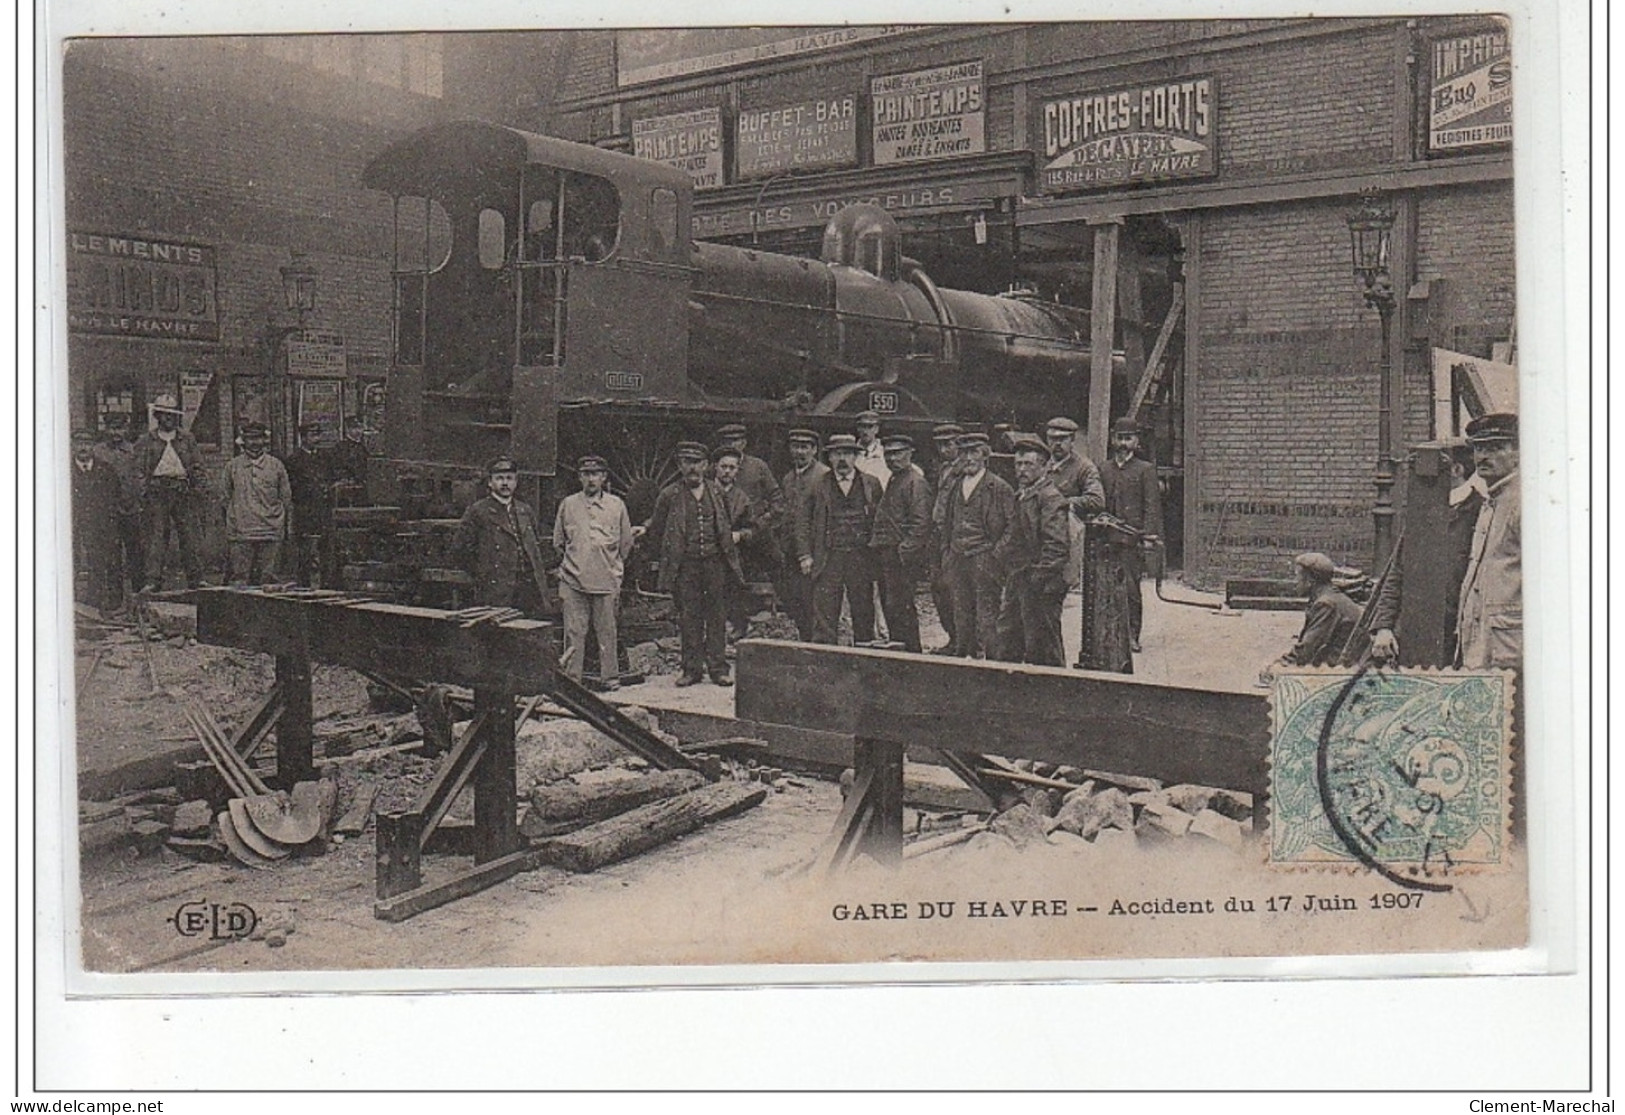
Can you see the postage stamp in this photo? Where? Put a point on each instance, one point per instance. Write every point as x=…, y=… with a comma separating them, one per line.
x=1406, y=772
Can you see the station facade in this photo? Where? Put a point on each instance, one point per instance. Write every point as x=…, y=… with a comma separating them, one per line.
x=1188, y=182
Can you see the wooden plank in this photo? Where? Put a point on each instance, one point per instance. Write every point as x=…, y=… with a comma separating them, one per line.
x=413, y=902
x=1159, y=350
x=562, y=806
x=355, y=818
x=1068, y=717
x=649, y=826
x=1102, y=321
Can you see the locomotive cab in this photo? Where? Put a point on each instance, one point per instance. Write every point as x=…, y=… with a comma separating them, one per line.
x=515, y=260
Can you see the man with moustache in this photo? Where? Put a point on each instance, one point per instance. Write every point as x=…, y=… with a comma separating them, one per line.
x=1489, y=618
x=832, y=543
x=1032, y=555
x=117, y=453
x=901, y=540
x=795, y=587
x=725, y=470
x=172, y=480
x=699, y=564
x=974, y=512
x=1132, y=495
x=499, y=545
x=592, y=533
x=943, y=437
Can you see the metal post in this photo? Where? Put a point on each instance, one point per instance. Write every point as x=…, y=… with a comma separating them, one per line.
x=1382, y=513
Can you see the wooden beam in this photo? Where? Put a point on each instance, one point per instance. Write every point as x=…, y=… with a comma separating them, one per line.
x=1102, y=327
x=399, y=907
x=1153, y=363
x=1068, y=717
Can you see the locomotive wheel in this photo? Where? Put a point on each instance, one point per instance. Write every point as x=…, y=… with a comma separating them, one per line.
x=638, y=472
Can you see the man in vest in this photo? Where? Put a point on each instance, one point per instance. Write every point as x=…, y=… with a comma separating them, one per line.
x=832, y=543
x=1132, y=495
x=795, y=587
x=699, y=564
x=1489, y=623
x=902, y=541
x=171, y=470
x=497, y=542
x=975, y=512
x=1033, y=555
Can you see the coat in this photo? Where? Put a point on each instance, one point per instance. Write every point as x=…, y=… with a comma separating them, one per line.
x=903, y=520
x=150, y=450
x=671, y=523
x=1132, y=494
x=990, y=505
x=1038, y=540
x=488, y=548
x=1489, y=622
x=95, y=514
x=796, y=487
x=1078, y=480
x=1328, y=621
x=812, y=533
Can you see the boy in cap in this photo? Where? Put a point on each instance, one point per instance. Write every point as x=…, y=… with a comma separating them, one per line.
x=795, y=587
x=499, y=545
x=972, y=516
x=171, y=471
x=1132, y=495
x=832, y=543
x=592, y=533
x=1329, y=618
x=1033, y=556
x=902, y=540
x=699, y=564
x=1489, y=618
x=258, y=498
x=95, y=517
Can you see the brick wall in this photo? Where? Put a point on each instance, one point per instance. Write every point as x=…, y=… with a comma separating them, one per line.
x=1465, y=237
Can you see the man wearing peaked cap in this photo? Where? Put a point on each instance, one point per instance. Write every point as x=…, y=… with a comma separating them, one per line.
x=592, y=534
x=1489, y=623
x=871, y=453
x=832, y=543
x=499, y=544
x=1133, y=495
x=1329, y=618
x=944, y=438
x=757, y=483
x=726, y=460
x=699, y=564
x=971, y=514
x=1077, y=478
x=1032, y=559
x=172, y=482
x=794, y=588
x=259, y=503
x=902, y=541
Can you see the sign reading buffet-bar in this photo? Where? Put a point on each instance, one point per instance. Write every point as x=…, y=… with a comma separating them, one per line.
x=1142, y=133
x=822, y=132
x=690, y=141
x=929, y=114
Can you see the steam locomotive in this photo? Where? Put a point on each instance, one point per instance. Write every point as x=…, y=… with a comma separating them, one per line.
x=548, y=301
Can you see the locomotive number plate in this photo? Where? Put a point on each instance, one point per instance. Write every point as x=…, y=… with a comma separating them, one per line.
x=883, y=402
x=623, y=381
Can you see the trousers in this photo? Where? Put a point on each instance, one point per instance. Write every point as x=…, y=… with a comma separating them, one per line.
x=701, y=594
x=974, y=587
x=170, y=505
x=582, y=609
x=850, y=573
x=1029, y=625
x=897, y=579
x=254, y=562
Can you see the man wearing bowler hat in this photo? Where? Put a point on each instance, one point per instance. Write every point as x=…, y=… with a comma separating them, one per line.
x=1489, y=623
x=1032, y=556
x=171, y=471
x=795, y=587
x=499, y=545
x=592, y=533
x=832, y=543
x=699, y=564
x=259, y=503
x=1133, y=496
x=972, y=516
x=902, y=541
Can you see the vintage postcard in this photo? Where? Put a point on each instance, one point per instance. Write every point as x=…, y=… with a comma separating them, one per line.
x=796, y=496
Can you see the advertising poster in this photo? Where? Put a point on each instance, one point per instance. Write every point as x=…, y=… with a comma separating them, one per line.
x=689, y=141
x=133, y=287
x=816, y=133
x=929, y=114
x=1470, y=102
x=1142, y=133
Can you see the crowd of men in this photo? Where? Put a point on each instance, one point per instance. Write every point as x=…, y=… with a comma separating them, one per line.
x=138, y=500
x=853, y=519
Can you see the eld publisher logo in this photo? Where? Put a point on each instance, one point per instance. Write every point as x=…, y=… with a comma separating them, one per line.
x=218, y=921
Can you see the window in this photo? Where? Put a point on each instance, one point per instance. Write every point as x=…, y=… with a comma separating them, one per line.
x=663, y=221
x=493, y=239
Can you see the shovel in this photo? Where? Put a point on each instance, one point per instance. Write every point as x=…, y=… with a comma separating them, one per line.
x=291, y=819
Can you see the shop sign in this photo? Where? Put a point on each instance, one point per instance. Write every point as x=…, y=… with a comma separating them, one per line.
x=316, y=353
x=929, y=114
x=1142, y=133
x=689, y=141
x=659, y=55
x=135, y=287
x=961, y=193
x=817, y=133
x=1470, y=101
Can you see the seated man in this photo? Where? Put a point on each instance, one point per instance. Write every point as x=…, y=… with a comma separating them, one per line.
x=1328, y=621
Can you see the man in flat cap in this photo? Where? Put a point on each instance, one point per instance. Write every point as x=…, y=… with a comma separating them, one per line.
x=1329, y=619
x=1075, y=476
x=592, y=534
x=499, y=544
x=98, y=580
x=1132, y=495
x=259, y=503
x=1033, y=555
x=944, y=439
x=726, y=462
x=902, y=541
x=172, y=481
x=832, y=543
x=871, y=453
x=759, y=553
x=699, y=564
x=795, y=587
x=972, y=516
x=1489, y=624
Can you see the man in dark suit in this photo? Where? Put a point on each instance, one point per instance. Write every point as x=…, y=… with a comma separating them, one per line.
x=311, y=481
x=832, y=543
x=499, y=545
x=95, y=526
x=1133, y=496
x=699, y=564
x=795, y=587
x=726, y=471
x=1032, y=556
x=902, y=541
x=943, y=439
x=172, y=483
x=973, y=512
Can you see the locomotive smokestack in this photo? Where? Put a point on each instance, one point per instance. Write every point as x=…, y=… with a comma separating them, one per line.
x=866, y=237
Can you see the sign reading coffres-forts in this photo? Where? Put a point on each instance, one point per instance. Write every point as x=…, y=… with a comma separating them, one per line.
x=929, y=114
x=1143, y=133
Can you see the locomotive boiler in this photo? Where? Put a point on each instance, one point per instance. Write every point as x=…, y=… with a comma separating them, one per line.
x=548, y=300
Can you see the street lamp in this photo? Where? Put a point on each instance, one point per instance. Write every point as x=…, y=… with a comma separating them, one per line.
x=299, y=294
x=1371, y=227
x=299, y=286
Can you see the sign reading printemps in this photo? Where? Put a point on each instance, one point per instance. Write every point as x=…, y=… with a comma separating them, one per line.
x=1470, y=102
x=689, y=141
x=136, y=287
x=1142, y=133
x=818, y=133
x=929, y=114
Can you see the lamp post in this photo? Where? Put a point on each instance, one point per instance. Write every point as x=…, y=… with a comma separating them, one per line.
x=1371, y=228
x=299, y=295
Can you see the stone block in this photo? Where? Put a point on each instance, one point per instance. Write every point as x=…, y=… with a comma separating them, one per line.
x=1233, y=804
x=1216, y=827
x=192, y=818
x=1189, y=799
x=1162, y=819
x=1020, y=824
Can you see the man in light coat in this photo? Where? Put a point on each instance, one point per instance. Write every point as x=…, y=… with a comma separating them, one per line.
x=258, y=501
x=1489, y=629
x=592, y=533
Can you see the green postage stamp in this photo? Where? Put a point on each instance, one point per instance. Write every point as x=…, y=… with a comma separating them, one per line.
x=1406, y=772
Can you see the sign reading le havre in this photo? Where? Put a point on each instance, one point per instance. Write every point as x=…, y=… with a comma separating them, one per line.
x=1142, y=133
